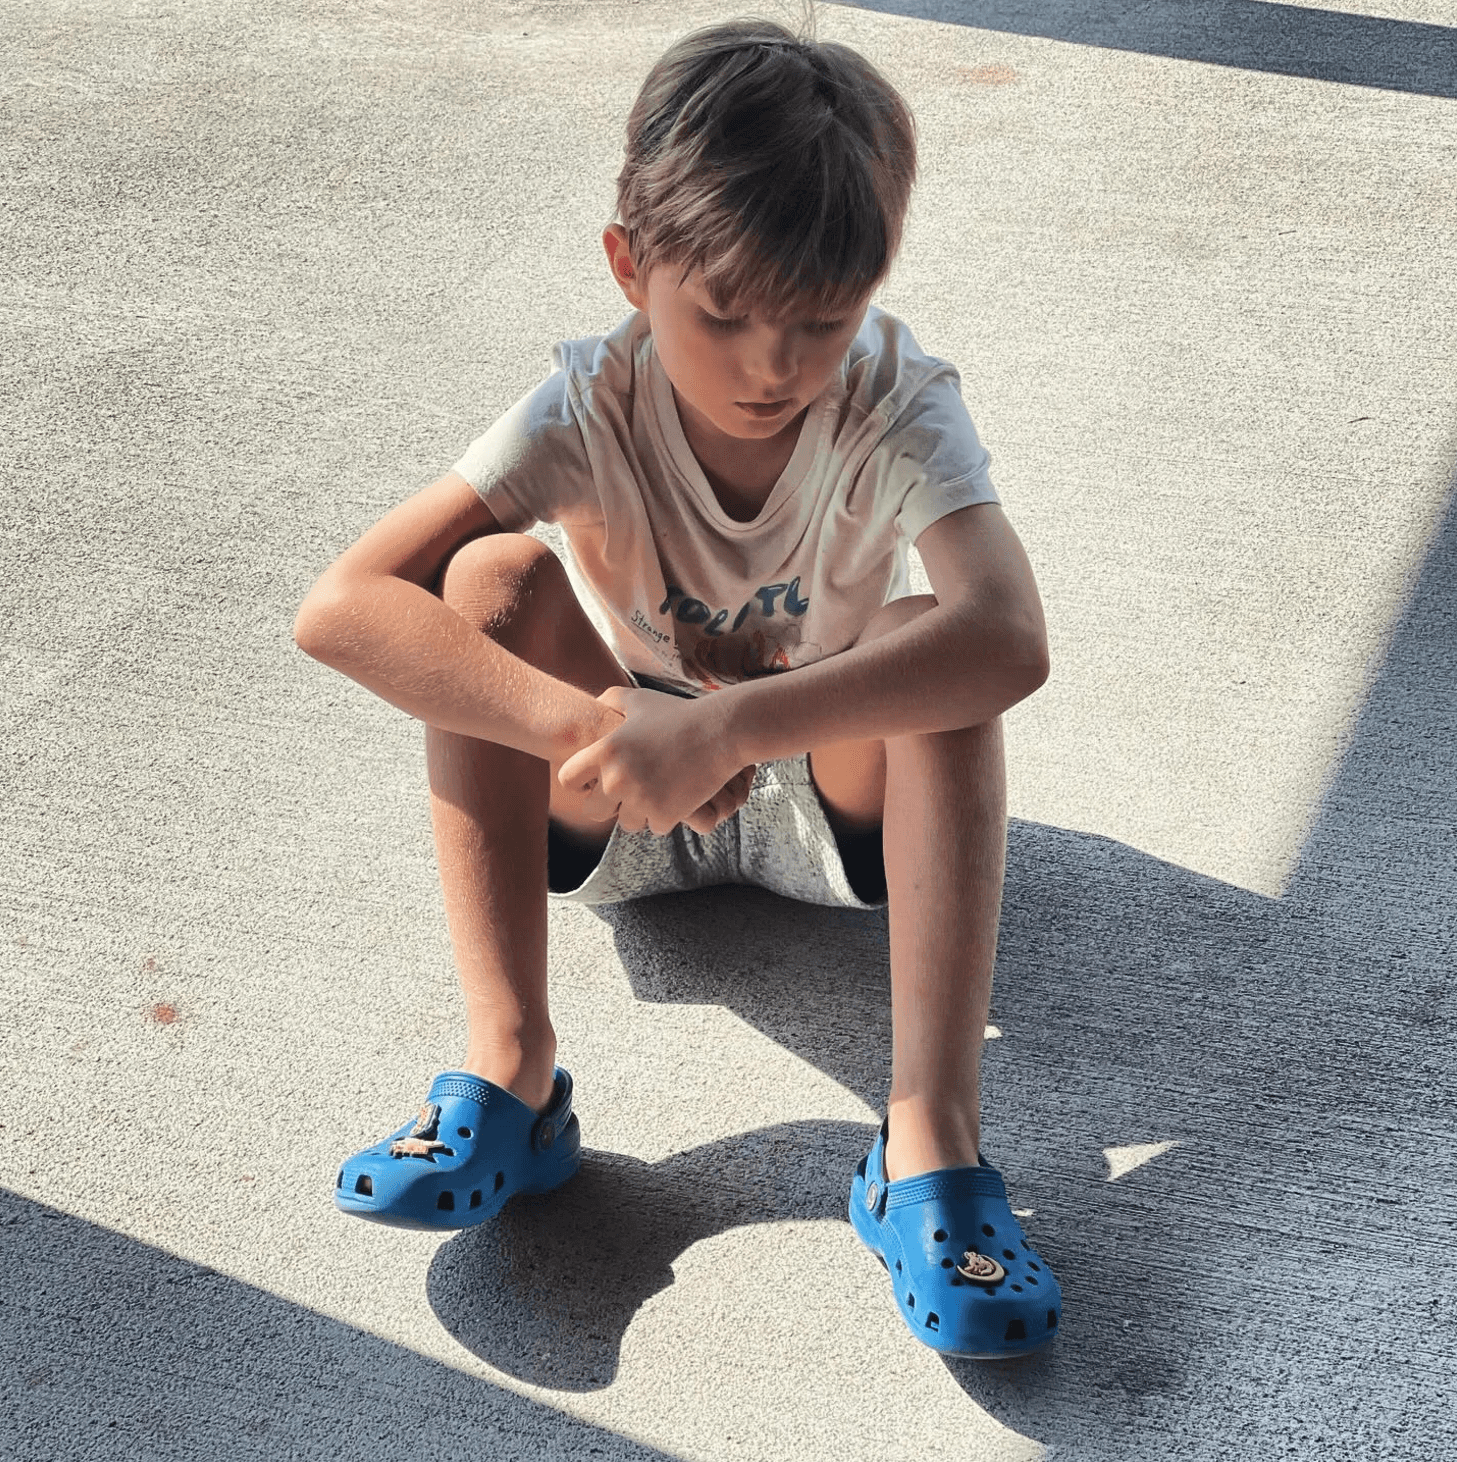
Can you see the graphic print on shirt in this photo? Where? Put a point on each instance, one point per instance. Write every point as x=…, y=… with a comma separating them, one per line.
x=759, y=637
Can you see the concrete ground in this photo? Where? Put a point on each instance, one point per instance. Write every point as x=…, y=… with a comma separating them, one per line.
x=267, y=268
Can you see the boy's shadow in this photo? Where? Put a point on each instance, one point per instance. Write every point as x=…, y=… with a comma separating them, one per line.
x=546, y=1292
x=1140, y=1003
x=1292, y=1050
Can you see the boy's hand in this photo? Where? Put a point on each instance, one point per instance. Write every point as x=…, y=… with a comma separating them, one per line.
x=665, y=763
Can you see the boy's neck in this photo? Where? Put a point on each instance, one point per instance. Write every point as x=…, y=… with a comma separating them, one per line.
x=741, y=473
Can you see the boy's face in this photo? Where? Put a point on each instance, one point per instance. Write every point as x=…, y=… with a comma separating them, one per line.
x=737, y=380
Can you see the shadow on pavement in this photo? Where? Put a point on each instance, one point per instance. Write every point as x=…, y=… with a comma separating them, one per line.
x=1294, y=1051
x=111, y=1348
x=1253, y=35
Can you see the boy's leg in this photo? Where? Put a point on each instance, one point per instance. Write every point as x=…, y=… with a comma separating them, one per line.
x=489, y=805
x=943, y=801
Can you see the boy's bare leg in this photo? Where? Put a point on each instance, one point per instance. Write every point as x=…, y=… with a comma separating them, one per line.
x=489, y=805
x=943, y=801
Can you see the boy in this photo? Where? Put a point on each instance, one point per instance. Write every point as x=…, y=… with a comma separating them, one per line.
x=729, y=682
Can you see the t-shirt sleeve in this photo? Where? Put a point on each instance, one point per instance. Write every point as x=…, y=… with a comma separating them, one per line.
x=531, y=465
x=937, y=462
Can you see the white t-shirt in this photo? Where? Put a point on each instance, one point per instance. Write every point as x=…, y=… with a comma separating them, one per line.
x=681, y=591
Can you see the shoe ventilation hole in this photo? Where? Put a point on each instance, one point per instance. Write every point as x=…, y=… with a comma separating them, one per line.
x=946, y=1264
x=1031, y=1265
x=475, y=1198
x=446, y=1202
x=364, y=1184
x=990, y=1288
x=340, y=1183
x=939, y=1236
x=500, y=1182
x=1018, y=1288
x=463, y=1132
x=897, y=1266
x=1016, y=1330
x=988, y=1230
x=1008, y=1254
x=957, y=1280
x=1052, y=1319
x=933, y=1320
x=1025, y=1244
x=911, y=1301
x=1031, y=1279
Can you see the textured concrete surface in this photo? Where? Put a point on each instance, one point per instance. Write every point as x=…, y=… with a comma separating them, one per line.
x=266, y=269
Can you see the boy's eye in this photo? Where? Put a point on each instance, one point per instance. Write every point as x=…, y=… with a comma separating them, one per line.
x=824, y=327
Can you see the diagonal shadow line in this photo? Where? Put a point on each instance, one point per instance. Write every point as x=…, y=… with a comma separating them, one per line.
x=111, y=1347
x=1252, y=35
x=1392, y=803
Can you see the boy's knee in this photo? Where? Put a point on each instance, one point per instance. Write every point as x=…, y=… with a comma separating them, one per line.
x=983, y=739
x=504, y=584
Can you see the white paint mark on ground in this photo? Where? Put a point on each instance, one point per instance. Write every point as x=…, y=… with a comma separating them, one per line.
x=1123, y=1160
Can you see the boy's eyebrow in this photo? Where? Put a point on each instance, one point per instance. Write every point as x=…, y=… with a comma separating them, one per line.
x=705, y=302
x=737, y=309
x=698, y=291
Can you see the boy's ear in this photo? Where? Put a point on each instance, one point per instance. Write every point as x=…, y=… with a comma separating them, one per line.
x=614, y=240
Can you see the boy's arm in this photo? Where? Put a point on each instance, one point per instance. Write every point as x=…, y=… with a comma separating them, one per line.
x=982, y=649
x=373, y=615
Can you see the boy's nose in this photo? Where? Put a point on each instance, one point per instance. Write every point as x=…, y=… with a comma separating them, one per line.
x=771, y=367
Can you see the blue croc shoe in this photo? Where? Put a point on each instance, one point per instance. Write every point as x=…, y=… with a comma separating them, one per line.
x=473, y=1147
x=967, y=1281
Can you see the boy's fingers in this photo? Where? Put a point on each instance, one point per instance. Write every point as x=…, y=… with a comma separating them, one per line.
x=724, y=803
x=581, y=772
x=573, y=771
x=708, y=817
x=719, y=808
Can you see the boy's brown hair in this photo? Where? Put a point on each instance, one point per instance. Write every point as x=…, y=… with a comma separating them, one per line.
x=779, y=165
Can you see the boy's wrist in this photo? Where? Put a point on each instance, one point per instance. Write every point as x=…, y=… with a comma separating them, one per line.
x=586, y=721
x=733, y=721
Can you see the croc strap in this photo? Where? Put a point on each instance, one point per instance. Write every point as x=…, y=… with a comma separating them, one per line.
x=545, y=1130
x=952, y=1183
x=459, y=1084
x=552, y=1122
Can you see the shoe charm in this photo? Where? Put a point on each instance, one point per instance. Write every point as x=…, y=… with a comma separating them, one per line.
x=421, y=1142
x=980, y=1269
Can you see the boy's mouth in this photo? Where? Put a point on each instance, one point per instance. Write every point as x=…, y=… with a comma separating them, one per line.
x=762, y=409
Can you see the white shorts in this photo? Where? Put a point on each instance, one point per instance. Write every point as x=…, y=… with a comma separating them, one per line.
x=780, y=839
